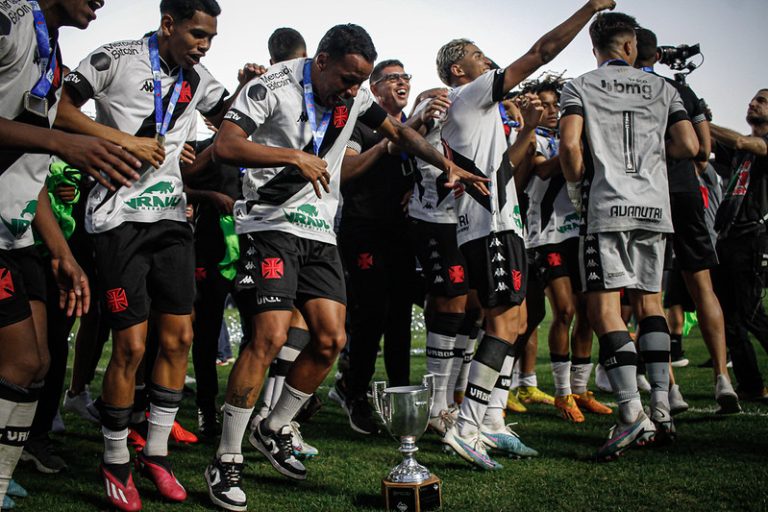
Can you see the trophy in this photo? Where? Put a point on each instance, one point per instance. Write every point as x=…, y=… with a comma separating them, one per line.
x=404, y=410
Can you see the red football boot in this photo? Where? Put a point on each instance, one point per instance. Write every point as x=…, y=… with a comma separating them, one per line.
x=158, y=469
x=121, y=492
x=182, y=435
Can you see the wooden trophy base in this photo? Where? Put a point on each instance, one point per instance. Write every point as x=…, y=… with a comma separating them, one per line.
x=413, y=497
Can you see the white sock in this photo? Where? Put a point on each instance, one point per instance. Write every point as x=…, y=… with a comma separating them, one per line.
x=160, y=423
x=458, y=362
x=580, y=373
x=561, y=374
x=115, y=446
x=439, y=361
x=515, y=375
x=15, y=421
x=494, y=414
x=469, y=353
x=286, y=408
x=528, y=380
x=236, y=420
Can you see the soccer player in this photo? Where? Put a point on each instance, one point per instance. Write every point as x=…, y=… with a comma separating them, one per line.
x=299, y=116
x=30, y=88
x=553, y=233
x=695, y=254
x=147, y=93
x=623, y=115
x=490, y=228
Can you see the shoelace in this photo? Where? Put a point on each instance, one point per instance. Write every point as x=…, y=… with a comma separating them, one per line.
x=284, y=445
x=298, y=439
x=232, y=472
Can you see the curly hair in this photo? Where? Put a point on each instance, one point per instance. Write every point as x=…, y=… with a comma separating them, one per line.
x=450, y=53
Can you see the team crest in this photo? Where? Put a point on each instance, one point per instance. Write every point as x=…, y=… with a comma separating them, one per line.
x=272, y=268
x=456, y=274
x=365, y=260
x=7, y=289
x=117, y=301
x=517, y=280
x=340, y=116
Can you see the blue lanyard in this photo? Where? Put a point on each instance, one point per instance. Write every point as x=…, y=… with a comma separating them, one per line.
x=614, y=61
x=46, y=53
x=318, y=132
x=647, y=69
x=554, y=146
x=162, y=122
x=505, y=118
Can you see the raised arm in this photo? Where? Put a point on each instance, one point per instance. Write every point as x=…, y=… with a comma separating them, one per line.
x=735, y=140
x=552, y=43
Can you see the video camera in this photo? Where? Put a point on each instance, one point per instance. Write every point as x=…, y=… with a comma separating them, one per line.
x=677, y=58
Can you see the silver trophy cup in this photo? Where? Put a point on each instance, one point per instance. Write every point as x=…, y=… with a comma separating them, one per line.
x=404, y=410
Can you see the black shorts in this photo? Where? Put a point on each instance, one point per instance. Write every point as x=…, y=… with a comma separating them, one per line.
x=278, y=269
x=559, y=260
x=692, y=243
x=676, y=292
x=143, y=266
x=441, y=261
x=498, y=269
x=22, y=279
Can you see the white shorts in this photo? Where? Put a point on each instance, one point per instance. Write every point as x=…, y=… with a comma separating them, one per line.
x=623, y=259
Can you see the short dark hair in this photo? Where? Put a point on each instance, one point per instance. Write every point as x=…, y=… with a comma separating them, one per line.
x=347, y=39
x=607, y=27
x=285, y=43
x=376, y=73
x=647, y=45
x=185, y=9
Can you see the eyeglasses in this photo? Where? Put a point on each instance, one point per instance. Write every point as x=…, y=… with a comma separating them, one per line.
x=393, y=77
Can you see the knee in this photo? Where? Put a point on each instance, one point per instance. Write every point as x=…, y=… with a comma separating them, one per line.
x=564, y=314
x=178, y=345
x=327, y=346
x=266, y=345
x=128, y=353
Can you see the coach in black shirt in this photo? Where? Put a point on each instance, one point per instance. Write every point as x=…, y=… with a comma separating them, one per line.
x=374, y=245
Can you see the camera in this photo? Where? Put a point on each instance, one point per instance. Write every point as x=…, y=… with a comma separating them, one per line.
x=676, y=56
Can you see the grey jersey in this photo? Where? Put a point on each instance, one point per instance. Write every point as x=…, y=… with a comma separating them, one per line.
x=271, y=110
x=431, y=201
x=626, y=114
x=21, y=174
x=475, y=135
x=118, y=76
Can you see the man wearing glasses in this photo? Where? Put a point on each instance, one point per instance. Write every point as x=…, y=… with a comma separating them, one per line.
x=376, y=251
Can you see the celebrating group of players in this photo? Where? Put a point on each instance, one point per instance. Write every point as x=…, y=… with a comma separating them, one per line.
x=562, y=188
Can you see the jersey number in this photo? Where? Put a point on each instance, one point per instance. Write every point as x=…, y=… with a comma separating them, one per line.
x=628, y=128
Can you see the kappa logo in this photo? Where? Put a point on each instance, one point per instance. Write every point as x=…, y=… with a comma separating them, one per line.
x=117, y=301
x=554, y=259
x=432, y=242
x=437, y=267
x=147, y=86
x=498, y=258
x=593, y=277
x=435, y=255
x=303, y=118
x=495, y=242
x=591, y=250
x=502, y=287
x=272, y=268
x=250, y=266
x=456, y=274
x=500, y=272
x=438, y=280
x=246, y=280
x=365, y=261
x=7, y=290
x=517, y=280
x=592, y=264
x=340, y=116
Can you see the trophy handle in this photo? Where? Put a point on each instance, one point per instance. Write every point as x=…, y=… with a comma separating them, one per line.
x=429, y=382
x=376, y=390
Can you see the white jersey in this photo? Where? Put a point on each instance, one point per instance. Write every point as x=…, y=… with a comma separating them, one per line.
x=626, y=114
x=22, y=174
x=431, y=200
x=475, y=135
x=551, y=216
x=271, y=110
x=118, y=76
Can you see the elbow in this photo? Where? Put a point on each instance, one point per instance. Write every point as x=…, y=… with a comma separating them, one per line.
x=223, y=150
x=692, y=149
x=542, y=53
